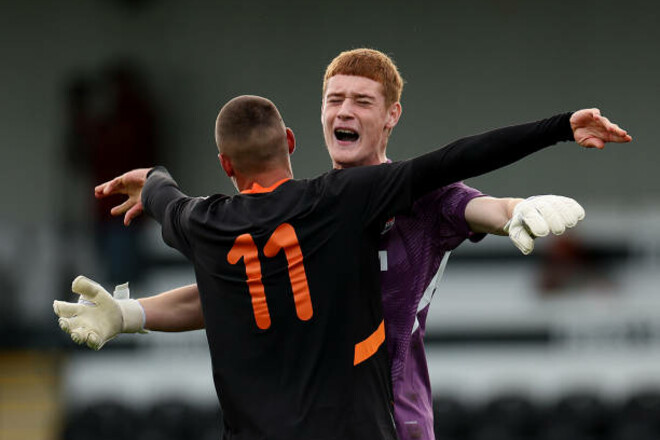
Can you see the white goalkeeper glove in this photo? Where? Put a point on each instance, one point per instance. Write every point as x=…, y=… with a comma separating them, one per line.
x=538, y=215
x=98, y=317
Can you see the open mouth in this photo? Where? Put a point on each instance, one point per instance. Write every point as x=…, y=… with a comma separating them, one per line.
x=346, y=135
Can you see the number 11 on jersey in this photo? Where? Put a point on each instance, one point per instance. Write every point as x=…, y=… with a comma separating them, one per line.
x=283, y=238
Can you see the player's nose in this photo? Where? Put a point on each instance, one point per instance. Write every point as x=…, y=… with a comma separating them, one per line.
x=345, y=110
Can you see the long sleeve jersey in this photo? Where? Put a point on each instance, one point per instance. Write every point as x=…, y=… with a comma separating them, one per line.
x=289, y=282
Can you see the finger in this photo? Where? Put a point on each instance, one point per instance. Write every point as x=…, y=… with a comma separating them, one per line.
x=617, y=134
x=94, y=341
x=615, y=128
x=67, y=324
x=611, y=128
x=570, y=210
x=81, y=335
x=114, y=186
x=521, y=239
x=593, y=142
x=550, y=213
x=64, y=324
x=604, y=121
x=132, y=213
x=90, y=290
x=533, y=221
x=120, y=209
x=65, y=309
x=78, y=335
x=98, y=189
x=109, y=188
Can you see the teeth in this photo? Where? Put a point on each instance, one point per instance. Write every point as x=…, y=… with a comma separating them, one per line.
x=346, y=134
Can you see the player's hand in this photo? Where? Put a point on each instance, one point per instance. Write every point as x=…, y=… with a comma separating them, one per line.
x=539, y=215
x=591, y=130
x=99, y=317
x=130, y=184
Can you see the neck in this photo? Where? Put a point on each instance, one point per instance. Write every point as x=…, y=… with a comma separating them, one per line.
x=265, y=179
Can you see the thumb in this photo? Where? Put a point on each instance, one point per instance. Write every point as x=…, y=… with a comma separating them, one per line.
x=521, y=238
x=90, y=290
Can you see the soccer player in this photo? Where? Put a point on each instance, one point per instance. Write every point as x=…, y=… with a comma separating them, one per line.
x=288, y=273
x=360, y=108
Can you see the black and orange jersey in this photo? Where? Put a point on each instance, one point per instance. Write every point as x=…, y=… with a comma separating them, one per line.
x=289, y=283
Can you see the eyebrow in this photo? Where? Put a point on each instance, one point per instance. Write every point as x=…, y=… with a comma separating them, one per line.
x=354, y=96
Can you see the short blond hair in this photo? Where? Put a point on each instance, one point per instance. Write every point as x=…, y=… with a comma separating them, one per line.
x=369, y=63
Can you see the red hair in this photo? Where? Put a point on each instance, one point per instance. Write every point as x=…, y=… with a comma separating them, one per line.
x=369, y=63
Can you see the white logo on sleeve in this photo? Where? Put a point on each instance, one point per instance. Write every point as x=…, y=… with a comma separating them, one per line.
x=382, y=256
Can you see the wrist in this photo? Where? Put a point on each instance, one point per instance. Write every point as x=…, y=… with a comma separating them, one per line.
x=511, y=207
x=133, y=316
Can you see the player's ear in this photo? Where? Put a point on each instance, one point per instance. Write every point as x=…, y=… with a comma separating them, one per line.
x=225, y=162
x=291, y=140
x=393, y=115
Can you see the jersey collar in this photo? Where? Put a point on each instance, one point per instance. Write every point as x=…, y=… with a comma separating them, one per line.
x=257, y=189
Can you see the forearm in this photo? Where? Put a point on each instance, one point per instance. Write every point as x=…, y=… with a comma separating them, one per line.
x=523, y=220
x=476, y=155
x=176, y=310
x=488, y=215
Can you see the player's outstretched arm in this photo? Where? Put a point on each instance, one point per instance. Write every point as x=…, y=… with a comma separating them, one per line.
x=592, y=130
x=176, y=310
x=98, y=317
x=523, y=220
x=129, y=184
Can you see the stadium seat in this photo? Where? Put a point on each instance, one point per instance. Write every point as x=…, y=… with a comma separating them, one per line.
x=514, y=413
x=105, y=420
x=582, y=412
x=171, y=420
x=451, y=418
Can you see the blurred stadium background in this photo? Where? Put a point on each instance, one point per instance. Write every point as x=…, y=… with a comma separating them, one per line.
x=563, y=344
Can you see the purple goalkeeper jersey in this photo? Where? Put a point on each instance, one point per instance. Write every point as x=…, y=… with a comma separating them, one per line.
x=414, y=251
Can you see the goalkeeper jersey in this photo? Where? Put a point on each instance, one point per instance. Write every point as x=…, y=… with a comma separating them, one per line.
x=413, y=254
x=289, y=282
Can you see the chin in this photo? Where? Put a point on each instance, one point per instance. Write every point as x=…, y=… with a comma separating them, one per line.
x=345, y=160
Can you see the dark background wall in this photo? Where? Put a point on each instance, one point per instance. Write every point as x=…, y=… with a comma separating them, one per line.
x=469, y=66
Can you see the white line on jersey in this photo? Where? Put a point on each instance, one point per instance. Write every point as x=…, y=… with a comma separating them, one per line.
x=430, y=289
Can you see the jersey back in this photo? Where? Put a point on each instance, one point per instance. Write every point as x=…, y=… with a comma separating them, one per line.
x=290, y=289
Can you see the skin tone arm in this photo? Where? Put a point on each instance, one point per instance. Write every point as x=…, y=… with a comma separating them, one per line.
x=489, y=214
x=176, y=310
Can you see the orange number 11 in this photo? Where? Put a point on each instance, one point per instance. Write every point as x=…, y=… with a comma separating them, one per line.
x=283, y=238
